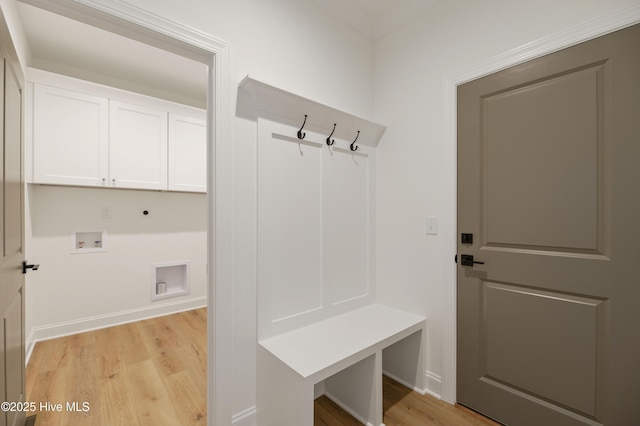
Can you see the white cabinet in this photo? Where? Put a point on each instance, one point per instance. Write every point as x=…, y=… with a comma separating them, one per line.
x=187, y=153
x=137, y=146
x=85, y=134
x=70, y=135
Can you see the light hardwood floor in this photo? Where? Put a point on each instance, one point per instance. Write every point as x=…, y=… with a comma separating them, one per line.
x=403, y=407
x=153, y=372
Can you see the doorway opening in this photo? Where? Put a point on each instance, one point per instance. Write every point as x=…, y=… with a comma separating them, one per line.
x=152, y=30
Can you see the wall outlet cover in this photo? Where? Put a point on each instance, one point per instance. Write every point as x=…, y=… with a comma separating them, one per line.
x=432, y=225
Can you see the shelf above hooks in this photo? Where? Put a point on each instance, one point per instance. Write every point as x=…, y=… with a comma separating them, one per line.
x=279, y=105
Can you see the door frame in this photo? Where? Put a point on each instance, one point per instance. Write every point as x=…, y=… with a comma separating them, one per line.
x=600, y=26
x=140, y=25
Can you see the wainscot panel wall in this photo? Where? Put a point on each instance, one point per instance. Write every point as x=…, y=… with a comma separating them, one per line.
x=314, y=228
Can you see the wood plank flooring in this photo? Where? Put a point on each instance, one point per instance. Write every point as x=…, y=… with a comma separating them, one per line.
x=403, y=407
x=153, y=372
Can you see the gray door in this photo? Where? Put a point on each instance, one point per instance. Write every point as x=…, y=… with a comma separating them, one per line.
x=12, y=356
x=549, y=186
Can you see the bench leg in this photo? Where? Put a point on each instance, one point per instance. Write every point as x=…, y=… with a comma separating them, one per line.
x=404, y=361
x=284, y=398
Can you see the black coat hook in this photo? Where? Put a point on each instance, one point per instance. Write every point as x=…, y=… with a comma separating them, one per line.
x=301, y=135
x=353, y=146
x=329, y=141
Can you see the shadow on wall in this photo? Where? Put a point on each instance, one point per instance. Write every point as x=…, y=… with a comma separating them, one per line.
x=56, y=210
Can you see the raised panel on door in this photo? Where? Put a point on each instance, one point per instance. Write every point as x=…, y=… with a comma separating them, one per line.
x=547, y=173
x=187, y=153
x=70, y=137
x=137, y=146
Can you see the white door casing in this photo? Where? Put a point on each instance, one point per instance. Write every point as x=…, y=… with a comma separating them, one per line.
x=133, y=22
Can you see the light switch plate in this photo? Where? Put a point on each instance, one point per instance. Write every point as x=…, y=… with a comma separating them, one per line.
x=432, y=225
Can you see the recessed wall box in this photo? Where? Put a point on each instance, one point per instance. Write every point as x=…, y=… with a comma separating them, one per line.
x=170, y=280
x=88, y=241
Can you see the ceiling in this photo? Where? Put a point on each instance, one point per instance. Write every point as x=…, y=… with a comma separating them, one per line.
x=70, y=49
x=376, y=18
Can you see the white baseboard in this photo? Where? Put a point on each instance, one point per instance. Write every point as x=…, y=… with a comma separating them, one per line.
x=349, y=410
x=52, y=331
x=404, y=383
x=247, y=417
x=434, y=385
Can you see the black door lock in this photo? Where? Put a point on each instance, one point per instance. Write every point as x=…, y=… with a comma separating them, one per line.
x=466, y=239
x=26, y=267
x=467, y=260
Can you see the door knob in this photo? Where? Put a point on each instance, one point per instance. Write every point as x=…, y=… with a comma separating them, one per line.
x=26, y=267
x=467, y=260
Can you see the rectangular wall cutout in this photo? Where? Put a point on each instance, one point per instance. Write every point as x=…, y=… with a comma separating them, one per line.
x=88, y=241
x=170, y=280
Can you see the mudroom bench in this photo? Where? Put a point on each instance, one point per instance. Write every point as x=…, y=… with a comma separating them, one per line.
x=343, y=354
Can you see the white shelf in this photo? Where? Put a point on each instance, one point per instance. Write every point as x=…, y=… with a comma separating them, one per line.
x=279, y=105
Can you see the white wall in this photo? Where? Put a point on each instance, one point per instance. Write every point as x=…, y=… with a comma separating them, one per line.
x=295, y=45
x=292, y=44
x=72, y=292
x=410, y=68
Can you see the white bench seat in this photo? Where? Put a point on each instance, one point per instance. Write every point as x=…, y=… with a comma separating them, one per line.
x=290, y=364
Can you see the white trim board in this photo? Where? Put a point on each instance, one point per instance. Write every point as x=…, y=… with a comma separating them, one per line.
x=279, y=105
x=138, y=24
x=247, y=417
x=605, y=24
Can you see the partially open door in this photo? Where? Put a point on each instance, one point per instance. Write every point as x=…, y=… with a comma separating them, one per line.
x=12, y=334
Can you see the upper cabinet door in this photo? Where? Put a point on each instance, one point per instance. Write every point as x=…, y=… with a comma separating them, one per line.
x=187, y=153
x=70, y=137
x=138, y=147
